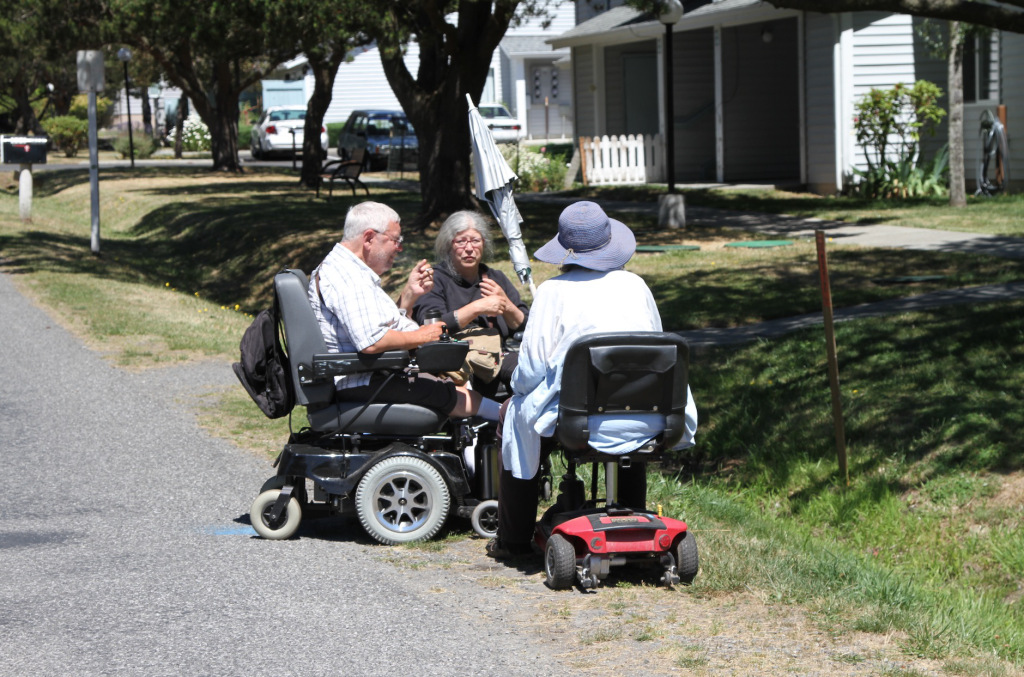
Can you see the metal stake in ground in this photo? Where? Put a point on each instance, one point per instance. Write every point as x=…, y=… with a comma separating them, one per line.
x=833, y=362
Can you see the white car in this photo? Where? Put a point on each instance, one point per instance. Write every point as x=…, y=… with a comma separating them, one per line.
x=504, y=128
x=272, y=135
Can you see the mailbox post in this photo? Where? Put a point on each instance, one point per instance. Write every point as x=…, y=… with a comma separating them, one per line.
x=90, y=79
x=23, y=151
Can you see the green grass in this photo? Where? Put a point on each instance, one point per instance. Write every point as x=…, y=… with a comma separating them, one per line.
x=924, y=542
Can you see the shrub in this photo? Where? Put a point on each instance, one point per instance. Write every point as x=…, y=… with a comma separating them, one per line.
x=195, y=135
x=104, y=110
x=889, y=124
x=244, y=135
x=333, y=132
x=538, y=172
x=142, y=144
x=67, y=132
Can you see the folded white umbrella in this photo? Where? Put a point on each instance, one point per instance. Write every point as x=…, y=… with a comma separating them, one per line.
x=494, y=181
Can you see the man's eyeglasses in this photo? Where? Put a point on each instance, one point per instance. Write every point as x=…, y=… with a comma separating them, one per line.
x=468, y=242
x=397, y=240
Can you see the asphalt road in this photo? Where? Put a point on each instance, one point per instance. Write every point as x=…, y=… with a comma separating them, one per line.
x=125, y=546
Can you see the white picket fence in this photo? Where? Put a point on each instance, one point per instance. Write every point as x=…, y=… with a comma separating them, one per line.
x=610, y=160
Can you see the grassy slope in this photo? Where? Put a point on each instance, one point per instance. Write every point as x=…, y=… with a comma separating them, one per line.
x=924, y=541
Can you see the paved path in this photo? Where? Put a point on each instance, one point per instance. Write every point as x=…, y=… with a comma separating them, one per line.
x=125, y=545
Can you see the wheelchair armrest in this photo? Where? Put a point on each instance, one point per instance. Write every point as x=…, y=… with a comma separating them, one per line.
x=329, y=365
x=441, y=356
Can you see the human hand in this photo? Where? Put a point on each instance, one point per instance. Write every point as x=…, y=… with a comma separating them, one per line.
x=430, y=332
x=421, y=279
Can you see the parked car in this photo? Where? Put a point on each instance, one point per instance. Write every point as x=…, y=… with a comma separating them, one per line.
x=381, y=133
x=504, y=128
x=272, y=135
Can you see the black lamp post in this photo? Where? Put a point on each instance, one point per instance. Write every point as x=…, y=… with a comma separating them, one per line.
x=125, y=55
x=672, y=11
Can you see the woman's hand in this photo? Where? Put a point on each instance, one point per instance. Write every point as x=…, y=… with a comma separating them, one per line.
x=489, y=289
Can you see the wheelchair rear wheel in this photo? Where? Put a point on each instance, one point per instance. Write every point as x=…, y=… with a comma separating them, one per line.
x=402, y=499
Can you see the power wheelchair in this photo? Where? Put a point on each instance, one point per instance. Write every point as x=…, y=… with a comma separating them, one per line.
x=402, y=468
x=618, y=373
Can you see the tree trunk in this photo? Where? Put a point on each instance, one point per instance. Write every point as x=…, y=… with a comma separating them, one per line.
x=179, y=125
x=147, y=112
x=27, y=120
x=324, y=72
x=957, y=180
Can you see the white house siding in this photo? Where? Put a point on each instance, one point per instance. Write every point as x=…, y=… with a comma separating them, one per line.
x=1012, y=89
x=760, y=85
x=584, y=85
x=361, y=84
x=694, y=104
x=819, y=47
x=883, y=55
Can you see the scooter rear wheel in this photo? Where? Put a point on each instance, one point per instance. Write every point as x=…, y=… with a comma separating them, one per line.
x=687, y=561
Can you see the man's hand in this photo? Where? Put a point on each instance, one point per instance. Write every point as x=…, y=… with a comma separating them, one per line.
x=421, y=280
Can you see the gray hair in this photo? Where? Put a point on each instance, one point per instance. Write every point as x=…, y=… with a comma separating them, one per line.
x=455, y=225
x=366, y=216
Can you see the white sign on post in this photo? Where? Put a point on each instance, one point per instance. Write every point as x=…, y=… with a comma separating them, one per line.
x=90, y=79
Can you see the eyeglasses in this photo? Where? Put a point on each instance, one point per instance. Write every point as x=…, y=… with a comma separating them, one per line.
x=397, y=240
x=467, y=242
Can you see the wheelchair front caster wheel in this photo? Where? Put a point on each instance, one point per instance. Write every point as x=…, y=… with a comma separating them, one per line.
x=559, y=563
x=485, y=519
x=285, y=526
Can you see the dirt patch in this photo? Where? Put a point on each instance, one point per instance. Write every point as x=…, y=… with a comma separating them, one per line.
x=629, y=626
x=1011, y=492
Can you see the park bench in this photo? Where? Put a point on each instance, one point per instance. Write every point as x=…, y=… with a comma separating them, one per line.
x=343, y=170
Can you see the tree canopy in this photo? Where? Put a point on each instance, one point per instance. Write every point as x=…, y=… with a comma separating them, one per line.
x=1006, y=15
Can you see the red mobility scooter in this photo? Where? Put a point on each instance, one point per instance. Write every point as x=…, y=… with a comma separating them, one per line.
x=622, y=374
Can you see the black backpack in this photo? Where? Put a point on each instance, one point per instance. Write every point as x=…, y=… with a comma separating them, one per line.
x=263, y=367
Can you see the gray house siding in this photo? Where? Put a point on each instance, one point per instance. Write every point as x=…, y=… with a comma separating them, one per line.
x=760, y=85
x=693, y=58
x=1012, y=89
x=618, y=91
x=820, y=102
x=583, y=86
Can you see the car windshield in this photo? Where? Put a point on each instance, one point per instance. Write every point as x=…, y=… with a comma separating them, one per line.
x=280, y=115
x=384, y=126
x=491, y=112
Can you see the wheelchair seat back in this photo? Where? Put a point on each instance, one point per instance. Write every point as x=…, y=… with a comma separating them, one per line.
x=302, y=341
x=622, y=373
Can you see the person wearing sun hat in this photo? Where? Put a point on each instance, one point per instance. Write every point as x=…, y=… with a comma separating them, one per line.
x=593, y=294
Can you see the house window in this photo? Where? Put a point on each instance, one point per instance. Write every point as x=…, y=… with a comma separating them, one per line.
x=981, y=68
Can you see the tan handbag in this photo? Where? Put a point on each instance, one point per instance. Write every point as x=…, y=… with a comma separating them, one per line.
x=484, y=358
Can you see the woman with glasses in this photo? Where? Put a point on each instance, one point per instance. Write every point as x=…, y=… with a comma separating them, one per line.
x=469, y=293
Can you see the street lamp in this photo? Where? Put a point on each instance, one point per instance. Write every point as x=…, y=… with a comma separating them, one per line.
x=671, y=14
x=125, y=55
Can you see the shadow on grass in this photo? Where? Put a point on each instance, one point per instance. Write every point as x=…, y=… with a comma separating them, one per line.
x=934, y=393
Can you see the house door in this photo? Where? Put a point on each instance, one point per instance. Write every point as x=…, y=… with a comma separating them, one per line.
x=640, y=87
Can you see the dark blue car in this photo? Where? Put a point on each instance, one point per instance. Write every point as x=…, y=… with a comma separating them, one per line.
x=388, y=137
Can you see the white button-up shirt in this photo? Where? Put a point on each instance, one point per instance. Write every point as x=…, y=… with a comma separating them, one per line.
x=356, y=311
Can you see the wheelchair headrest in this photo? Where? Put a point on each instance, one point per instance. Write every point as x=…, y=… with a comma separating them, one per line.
x=623, y=373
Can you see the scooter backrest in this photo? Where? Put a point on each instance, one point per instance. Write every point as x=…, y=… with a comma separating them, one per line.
x=623, y=373
x=302, y=335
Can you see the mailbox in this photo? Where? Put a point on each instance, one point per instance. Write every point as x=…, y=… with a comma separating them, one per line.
x=23, y=150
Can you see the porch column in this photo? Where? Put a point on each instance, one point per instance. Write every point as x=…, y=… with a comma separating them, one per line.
x=719, y=110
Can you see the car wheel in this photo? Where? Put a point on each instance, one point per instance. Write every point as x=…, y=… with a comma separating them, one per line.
x=402, y=499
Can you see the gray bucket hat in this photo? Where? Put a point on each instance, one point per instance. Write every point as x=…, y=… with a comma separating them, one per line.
x=588, y=238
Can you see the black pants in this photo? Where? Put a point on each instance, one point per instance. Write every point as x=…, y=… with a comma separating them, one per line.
x=518, y=499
